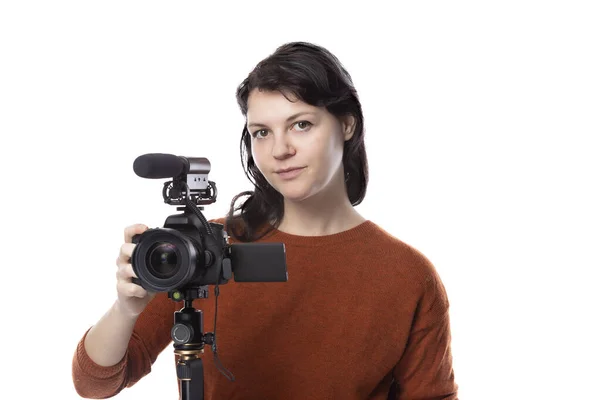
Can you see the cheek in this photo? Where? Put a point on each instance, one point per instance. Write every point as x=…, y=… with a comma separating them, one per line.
x=260, y=155
x=256, y=155
x=333, y=149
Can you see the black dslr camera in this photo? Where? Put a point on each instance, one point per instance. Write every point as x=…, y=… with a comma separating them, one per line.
x=189, y=252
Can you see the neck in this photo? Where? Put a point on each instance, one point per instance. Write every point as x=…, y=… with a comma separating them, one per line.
x=320, y=215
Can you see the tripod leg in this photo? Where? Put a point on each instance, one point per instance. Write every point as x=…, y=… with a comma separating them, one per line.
x=191, y=378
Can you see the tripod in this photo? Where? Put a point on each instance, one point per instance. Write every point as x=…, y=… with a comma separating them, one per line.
x=189, y=341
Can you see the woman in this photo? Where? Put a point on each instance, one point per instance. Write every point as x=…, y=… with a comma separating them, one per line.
x=362, y=316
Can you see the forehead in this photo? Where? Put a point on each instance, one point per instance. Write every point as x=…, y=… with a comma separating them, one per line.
x=273, y=106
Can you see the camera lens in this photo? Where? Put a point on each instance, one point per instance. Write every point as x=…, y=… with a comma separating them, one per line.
x=163, y=260
x=166, y=259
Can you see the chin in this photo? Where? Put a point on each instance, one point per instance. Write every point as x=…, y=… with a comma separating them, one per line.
x=296, y=194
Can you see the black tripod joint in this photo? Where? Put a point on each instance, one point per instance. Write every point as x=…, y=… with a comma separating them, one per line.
x=188, y=342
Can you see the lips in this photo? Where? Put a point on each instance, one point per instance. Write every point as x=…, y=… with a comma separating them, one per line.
x=290, y=173
x=280, y=171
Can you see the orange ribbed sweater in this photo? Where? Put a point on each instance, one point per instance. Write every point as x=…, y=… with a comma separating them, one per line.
x=360, y=308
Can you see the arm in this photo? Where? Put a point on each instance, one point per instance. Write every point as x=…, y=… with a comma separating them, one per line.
x=425, y=370
x=106, y=342
x=119, y=350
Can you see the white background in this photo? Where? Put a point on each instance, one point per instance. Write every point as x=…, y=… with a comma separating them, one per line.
x=483, y=123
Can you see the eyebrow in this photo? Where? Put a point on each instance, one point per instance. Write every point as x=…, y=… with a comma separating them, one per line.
x=291, y=117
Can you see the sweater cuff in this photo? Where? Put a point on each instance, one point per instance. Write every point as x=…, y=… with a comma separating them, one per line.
x=90, y=368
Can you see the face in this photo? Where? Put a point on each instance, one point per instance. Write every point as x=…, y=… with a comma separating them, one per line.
x=297, y=147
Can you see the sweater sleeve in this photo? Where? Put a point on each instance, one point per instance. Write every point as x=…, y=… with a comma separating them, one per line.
x=151, y=335
x=425, y=370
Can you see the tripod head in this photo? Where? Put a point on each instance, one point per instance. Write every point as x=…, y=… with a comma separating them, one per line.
x=189, y=341
x=187, y=331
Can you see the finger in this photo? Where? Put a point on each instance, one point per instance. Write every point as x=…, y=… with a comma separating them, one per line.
x=126, y=272
x=126, y=251
x=132, y=230
x=131, y=289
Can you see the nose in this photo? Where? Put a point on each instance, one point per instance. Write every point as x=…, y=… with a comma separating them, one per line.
x=282, y=147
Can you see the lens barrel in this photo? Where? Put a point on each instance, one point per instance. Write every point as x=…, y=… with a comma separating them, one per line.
x=165, y=259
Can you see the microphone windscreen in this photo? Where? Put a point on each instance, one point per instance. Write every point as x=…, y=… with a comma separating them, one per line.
x=158, y=166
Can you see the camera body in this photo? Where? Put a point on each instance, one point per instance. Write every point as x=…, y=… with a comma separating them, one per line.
x=181, y=255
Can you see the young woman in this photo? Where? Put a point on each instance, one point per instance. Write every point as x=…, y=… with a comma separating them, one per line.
x=362, y=316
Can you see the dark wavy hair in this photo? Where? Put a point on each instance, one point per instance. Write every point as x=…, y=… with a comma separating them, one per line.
x=314, y=75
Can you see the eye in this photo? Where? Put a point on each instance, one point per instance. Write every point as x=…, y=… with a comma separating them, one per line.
x=259, y=132
x=303, y=125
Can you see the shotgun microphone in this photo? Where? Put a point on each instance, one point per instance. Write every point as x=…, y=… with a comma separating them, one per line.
x=161, y=166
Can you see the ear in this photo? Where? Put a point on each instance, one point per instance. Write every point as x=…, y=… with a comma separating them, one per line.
x=348, y=124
